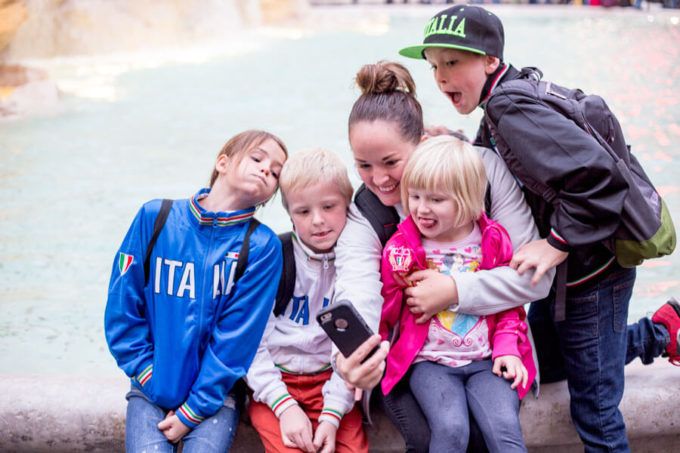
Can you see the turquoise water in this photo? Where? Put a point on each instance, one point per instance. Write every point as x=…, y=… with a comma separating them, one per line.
x=131, y=128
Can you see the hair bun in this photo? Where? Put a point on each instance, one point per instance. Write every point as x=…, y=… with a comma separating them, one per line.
x=385, y=77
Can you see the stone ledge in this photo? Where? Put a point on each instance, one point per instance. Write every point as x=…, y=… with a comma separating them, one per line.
x=78, y=414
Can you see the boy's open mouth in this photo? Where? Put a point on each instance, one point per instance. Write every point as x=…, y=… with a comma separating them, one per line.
x=454, y=96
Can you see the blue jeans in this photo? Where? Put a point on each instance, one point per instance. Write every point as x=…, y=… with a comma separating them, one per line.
x=590, y=348
x=445, y=394
x=212, y=435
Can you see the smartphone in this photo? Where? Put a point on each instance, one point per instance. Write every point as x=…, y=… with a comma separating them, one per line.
x=345, y=327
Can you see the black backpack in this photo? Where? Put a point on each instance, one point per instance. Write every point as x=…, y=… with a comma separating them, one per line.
x=162, y=216
x=383, y=219
x=287, y=281
x=646, y=229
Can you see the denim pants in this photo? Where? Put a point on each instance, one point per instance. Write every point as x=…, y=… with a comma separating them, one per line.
x=445, y=393
x=212, y=435
x=590, y=348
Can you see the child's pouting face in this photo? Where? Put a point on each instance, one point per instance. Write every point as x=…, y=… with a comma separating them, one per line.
x=255, y=173
x=460, y=75
x=319, y=213
x=435, y=214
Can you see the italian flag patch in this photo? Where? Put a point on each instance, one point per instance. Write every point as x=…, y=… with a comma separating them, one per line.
x=124, y=262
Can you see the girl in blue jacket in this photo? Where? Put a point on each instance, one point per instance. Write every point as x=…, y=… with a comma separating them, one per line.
x=186, y=330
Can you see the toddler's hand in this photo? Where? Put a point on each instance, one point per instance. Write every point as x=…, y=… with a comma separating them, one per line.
x=173, y=428
x=324, y=437
x=432, y=292
x=296, y=429
x=514, y=369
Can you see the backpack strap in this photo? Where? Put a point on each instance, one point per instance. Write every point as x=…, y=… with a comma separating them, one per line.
x=531, y=72
x=487, y=200
x=287, y=281
x=242, y=261
x=383, y=219
x=157, y=227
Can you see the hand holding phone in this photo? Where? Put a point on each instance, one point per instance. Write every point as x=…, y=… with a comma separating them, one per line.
x=345, y=327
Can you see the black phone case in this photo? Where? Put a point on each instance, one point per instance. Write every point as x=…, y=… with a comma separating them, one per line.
x=345, y=326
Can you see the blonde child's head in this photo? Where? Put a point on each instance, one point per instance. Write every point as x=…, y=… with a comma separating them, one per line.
x=316, y=192
x=309, y=167
x=449, y=166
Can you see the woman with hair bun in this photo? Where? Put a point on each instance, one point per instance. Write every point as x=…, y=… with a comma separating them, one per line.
x=385, y=126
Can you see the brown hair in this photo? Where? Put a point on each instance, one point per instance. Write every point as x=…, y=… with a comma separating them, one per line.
x=389, y=94
x=245, y=141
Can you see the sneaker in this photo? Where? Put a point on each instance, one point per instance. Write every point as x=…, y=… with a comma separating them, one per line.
x=669, y=316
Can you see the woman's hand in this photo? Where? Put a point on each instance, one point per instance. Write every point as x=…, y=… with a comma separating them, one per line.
x=363, y=375
x=538, y=255
x=432, y=292
x=514, y=369
x=296, y=429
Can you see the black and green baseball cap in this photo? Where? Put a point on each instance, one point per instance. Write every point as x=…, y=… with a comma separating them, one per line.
x=463, y=27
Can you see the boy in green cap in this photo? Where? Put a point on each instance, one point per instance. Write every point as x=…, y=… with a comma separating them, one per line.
x=589, y=344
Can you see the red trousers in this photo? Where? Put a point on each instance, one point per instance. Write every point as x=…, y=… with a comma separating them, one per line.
x=350, y=437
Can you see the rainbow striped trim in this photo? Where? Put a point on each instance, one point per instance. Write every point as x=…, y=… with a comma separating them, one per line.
x=145, y=375
x=331, y=413
x=220, y=221
x=281, y=401
x=319, y=371
x=310, y=258
x=190, y=415
x=592, y=274
x=322, y=369
x=495, y=82
x=557, y=237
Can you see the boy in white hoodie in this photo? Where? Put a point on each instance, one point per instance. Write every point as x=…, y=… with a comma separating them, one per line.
x=299, y=403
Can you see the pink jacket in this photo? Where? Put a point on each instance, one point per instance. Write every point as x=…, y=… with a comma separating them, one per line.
x=404, y=254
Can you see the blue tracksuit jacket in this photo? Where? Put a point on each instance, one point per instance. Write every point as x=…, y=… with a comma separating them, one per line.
x=190, y=333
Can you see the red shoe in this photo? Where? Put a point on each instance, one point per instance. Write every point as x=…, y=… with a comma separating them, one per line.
x=669, y=316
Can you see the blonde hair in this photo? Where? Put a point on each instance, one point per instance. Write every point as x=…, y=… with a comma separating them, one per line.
x=451, y=166
x=311, y=166
x=239, y=144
